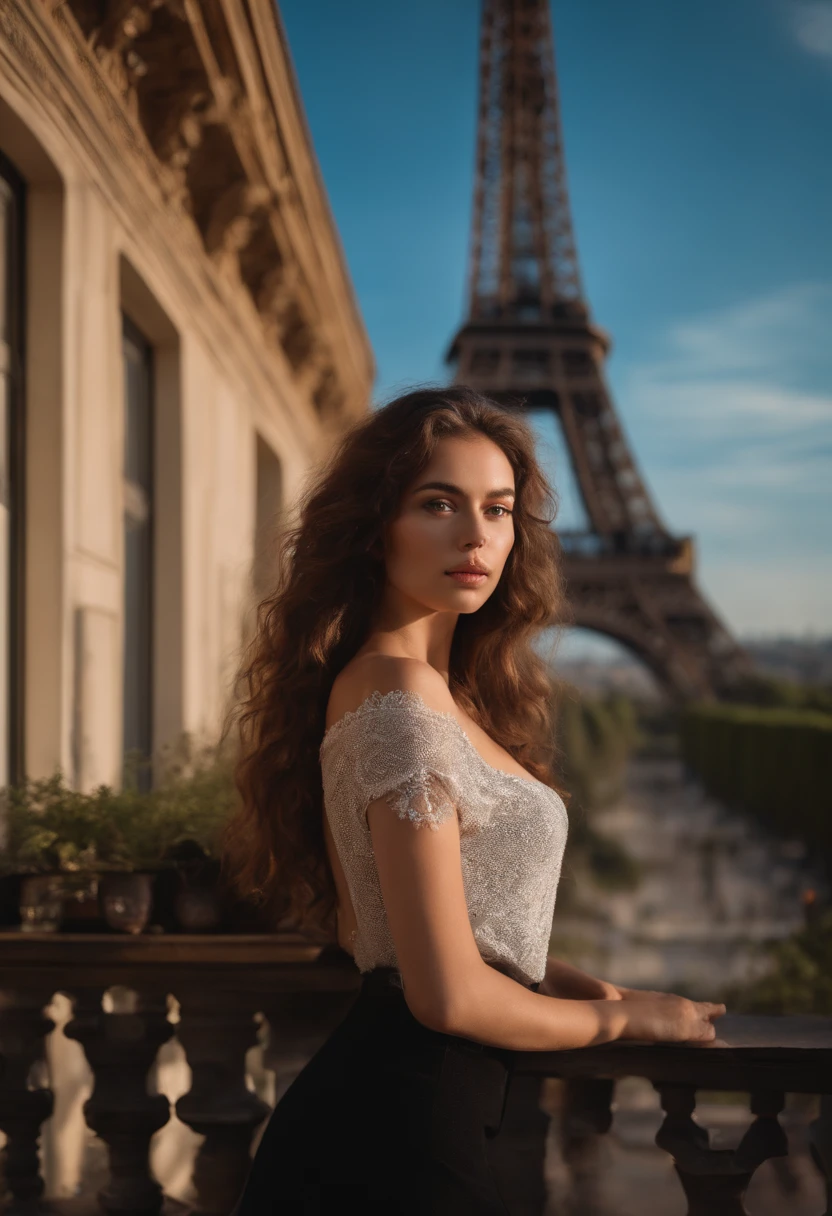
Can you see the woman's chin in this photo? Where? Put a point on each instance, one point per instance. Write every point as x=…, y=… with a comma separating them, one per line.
x=466, y=599
x=453, y=598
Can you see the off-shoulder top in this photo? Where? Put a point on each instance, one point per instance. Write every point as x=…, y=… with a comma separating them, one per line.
x=512, y=829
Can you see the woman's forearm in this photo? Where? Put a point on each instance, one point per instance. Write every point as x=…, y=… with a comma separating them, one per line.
x=567, y=981
x=490, y=1007
x=495, y=1009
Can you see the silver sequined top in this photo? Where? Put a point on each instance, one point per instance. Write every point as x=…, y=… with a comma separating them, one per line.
x=512, y=829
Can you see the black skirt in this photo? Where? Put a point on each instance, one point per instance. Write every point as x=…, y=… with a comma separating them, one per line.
x=387, y=1117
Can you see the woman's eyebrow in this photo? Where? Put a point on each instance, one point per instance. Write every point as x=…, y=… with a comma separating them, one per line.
x=449, y=488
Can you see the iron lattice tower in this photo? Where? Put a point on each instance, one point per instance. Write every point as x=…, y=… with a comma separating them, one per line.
x=529, y=342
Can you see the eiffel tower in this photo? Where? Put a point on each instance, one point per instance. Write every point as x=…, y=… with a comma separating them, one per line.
x=530, y=343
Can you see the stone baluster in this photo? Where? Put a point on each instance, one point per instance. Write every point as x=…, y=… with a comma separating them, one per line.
x=216, y=1029
x=715, y=1180
x=121, y=1048
x=765, y=1137
x=820, y=1132
x=23, y=1030
x=586, y=1115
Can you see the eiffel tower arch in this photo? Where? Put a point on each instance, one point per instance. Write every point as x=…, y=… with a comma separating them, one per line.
x=529, y=341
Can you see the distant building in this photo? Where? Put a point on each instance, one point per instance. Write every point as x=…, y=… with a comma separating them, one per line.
x=180, y=343
x=802, y=660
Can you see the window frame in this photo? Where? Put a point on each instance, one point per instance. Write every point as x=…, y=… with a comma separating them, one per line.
x=14, y=288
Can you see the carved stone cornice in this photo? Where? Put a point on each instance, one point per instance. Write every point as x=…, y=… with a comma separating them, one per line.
x=196, y=85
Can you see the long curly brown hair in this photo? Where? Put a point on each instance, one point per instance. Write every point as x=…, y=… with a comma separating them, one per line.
x=331, y=576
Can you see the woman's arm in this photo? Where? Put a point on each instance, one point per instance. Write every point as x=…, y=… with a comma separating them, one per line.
x=570, y=983
x=447, y=985
x=495, y=1009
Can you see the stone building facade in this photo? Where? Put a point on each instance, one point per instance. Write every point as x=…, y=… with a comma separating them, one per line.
x=180, y=345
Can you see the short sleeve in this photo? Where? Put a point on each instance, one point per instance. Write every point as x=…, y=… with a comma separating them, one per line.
x=421, y=798
x=402, y=750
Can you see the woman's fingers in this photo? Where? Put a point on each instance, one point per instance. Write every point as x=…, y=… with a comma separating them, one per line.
x=714, y=1010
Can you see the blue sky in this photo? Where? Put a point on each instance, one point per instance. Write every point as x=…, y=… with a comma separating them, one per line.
x=700, y=169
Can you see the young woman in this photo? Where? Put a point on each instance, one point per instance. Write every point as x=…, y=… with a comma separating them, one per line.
x=397, y=788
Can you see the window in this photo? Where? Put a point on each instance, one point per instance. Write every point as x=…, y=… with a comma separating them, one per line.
x=11, y=472
x=137, y=358
x=269, y=491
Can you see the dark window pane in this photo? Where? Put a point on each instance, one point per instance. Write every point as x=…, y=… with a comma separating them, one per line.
x=12, y=245
x=137, y=404
x=138, y=548
x=137, y=656
x=267, y=519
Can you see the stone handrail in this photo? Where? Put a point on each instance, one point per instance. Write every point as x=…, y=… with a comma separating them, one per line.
x=765, y=1057
x=303, y=990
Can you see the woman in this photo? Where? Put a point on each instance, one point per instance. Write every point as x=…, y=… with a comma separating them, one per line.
x=396, y=773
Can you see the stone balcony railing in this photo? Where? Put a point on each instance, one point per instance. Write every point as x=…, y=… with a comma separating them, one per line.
x=223, y=983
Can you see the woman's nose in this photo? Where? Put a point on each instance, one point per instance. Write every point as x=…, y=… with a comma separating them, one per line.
x=471, y=533
x=473, y=538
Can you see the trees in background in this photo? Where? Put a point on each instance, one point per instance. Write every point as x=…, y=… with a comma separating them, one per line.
x=595, y=739
x=774, y=763
x=769, y=754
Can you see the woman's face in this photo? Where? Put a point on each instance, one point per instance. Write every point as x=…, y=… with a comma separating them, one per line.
x=456, y=513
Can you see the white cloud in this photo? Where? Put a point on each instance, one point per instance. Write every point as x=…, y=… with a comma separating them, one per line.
x=722, y=407
x=729, y=383
x=734, y=431
x=812, y=25
x=728, y=435
x=785, y=327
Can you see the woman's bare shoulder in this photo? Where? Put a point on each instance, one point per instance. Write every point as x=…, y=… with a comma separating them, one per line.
x=376, y=672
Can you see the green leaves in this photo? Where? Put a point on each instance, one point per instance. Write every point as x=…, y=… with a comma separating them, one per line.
x=47, y=825
x=775, y=763
x=773, y=760
x=595, y=738
x=799, y=975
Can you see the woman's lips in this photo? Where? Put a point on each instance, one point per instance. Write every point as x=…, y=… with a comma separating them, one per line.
x=468, y=578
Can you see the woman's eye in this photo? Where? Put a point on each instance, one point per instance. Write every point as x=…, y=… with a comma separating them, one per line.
x=438, y=506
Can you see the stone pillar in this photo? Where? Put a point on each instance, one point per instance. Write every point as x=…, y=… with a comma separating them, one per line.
x=23, y=1029
x=216, y=1030
x=120, y=1049
x=715, y=1180
x=820, y=1133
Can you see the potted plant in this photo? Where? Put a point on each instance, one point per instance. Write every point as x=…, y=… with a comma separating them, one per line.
x=120, y=843
x=196, y=794
x=46, y=856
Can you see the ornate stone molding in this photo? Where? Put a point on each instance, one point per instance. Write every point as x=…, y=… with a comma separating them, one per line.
x=195, y=83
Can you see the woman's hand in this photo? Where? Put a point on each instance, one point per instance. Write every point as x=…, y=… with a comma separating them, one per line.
x=569, y=983
x=663, y=1017
x=639, y=994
